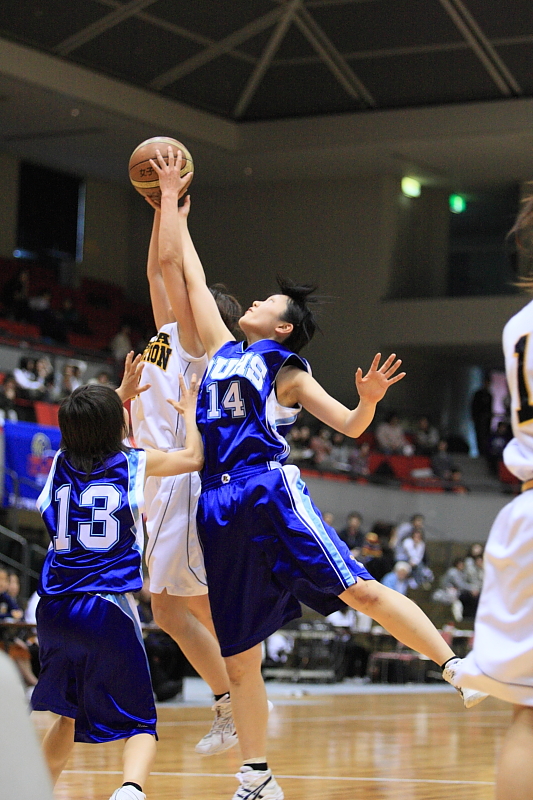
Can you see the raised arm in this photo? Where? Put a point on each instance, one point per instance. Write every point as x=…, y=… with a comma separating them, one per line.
x=170, y=303
x=161, y=308
x=191, y=458
x=296, y=387
x=178, y=257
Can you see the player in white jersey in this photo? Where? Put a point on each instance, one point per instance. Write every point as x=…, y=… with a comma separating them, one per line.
x=173, y=555
x=501, y=662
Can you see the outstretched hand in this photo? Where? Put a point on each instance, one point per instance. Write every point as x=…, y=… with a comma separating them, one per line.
x=373, y=386
x=188, y=396
x=170, y=178
x=129, y=387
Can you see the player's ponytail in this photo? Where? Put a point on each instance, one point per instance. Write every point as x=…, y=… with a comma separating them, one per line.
x=298, y=312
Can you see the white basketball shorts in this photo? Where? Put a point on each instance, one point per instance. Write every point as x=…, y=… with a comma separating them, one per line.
x=173, y=554
x=501, y=662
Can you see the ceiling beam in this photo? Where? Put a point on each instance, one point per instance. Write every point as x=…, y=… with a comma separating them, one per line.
x=178, y=30
x=100, y=26
x=482, y=47
x=335, y=62
x=219, y=48
x=266, y=58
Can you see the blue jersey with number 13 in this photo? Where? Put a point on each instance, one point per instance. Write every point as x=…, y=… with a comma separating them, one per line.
x=95, y=525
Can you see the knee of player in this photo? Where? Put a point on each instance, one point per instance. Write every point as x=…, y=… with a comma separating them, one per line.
x=237, y=668
x=364, y=596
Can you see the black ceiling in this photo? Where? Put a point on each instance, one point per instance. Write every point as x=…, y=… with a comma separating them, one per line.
x=271, y=59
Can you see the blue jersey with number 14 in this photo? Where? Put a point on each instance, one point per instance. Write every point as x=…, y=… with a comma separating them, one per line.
x=95, y=525
x=239, y=417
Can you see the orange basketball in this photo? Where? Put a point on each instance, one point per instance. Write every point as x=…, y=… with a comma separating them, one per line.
x=143, y=176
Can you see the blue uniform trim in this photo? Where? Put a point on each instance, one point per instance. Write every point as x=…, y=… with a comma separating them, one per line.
x=316, y=526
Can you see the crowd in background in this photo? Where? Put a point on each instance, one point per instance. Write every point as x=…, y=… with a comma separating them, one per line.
x=329, y=451
x=396, y=555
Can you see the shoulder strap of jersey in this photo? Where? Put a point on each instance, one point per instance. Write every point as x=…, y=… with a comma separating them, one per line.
x=45, y=498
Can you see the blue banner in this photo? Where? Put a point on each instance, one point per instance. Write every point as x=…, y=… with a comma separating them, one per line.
x=29, y=451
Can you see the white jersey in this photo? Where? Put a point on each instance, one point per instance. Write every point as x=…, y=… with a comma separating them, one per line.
x=518, y=352
x=155, y=422
x=173, y=554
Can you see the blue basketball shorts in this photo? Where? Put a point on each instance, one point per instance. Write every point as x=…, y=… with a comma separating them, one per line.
x=93, y=666
x=266, y=549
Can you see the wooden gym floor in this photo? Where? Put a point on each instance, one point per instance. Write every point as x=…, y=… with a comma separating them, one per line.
x=324, y=746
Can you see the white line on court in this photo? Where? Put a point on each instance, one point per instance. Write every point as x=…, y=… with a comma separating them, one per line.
x=286, y=777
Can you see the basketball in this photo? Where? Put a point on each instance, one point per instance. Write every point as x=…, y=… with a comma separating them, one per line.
x=143, y=176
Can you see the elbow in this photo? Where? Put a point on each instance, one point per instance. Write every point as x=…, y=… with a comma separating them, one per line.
x=169, y=260
x=198, y=462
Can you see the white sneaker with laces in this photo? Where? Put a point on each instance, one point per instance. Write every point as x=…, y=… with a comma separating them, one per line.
x=222, y=735
x=127, y=793
x=471, y=697
x=257, y=784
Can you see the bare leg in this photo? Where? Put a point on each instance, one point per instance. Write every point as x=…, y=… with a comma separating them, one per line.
x=138, y=758
x=249, y=701
x=515, y=767
x=57, y=745
x=197, y=642
x=400, y=617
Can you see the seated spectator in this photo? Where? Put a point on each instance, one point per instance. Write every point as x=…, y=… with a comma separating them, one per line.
x=359, y=461
x=70, y=379
x=414, y=548
x=8, y=395
x=497, y=442
x=455, y=483
x=15, y=294
x=300, y=443
x=441, y=462
x=371, y=548
x=351, y=534
x=321, y=447
x=9, y=607
x=426, y=437
x=456, y=591
x=340, y=452
x=379, y=566
x=41, y=314
x=120, y=345
x=398, y=579
x=474, y=565
x=103, y=378
x=404, y=530
x=391, y=438
x=29, y=384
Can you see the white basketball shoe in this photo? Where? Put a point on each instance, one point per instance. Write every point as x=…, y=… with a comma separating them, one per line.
x=257, y=785
x=127, y=793
x=222, y=735
x=471, y=697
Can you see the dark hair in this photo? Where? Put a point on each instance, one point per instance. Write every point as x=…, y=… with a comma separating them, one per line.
x=458, y=560
x=228, y=305
x=92, y=425
x=298, y=313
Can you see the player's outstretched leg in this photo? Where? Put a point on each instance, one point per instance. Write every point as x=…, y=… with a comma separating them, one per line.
x=404, y=620
x=188, y=621
x=138, y=758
